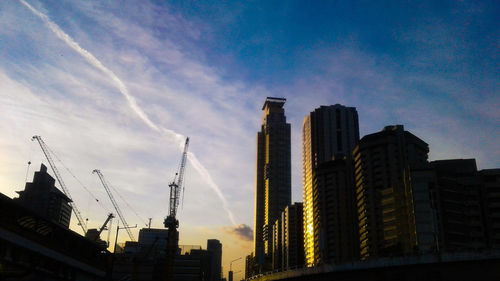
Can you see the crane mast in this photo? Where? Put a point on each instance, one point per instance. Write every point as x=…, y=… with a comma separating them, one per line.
x=47, y=153
x=106, y=187
x=175, y=191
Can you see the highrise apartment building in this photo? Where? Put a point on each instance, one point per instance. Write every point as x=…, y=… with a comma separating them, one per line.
x=288, y=235
x=273, y=174
x=457, y=197
x=293, y=236
x=382, y=163
x=329, y=132
x=335, y=216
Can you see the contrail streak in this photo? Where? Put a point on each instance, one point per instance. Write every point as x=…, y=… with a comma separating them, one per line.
x=133, y=104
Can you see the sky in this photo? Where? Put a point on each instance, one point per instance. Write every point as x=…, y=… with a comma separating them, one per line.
x=118, y=85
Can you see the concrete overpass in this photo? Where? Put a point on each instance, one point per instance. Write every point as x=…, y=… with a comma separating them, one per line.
x=467, y=266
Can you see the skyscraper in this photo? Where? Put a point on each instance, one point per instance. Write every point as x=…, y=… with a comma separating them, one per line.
x=383, y=162
x=273, y=174
x=214, y=247
x=327, y=132
x=43, y=197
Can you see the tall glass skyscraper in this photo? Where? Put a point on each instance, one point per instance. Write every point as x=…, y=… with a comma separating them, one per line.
x=273, y=175
x=329, y=132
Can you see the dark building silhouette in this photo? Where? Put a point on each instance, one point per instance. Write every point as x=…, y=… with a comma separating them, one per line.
x=293, y=236
x=33, y=247
x=383, y=163
x=214, y=247
x=288, y=238
x=335, y=229
x=43, y=197
x=326, y=132
x=273, y=176
x=190, y=263
x=457, y=197
x=490, y=184
x=251, y=266
x=152, y=241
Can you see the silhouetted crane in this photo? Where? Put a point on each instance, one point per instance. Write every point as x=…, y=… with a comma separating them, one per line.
x=48, y=155
x=175, y=190
x=106, y=187
x=171, y=222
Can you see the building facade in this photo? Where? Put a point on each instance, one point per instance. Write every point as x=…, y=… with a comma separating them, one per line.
x=457, y=197
x=288, y=235
x=293, y=236
x=490, y=182
x=326, y=132
x=273, y=175
x=214, y=247
x=335, y=217
x=382, y=163
x=43, y=197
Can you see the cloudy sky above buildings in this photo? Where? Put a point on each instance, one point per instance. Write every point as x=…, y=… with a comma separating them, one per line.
x=116, y=85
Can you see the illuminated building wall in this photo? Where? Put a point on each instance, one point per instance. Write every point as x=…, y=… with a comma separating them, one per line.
x=326, y=132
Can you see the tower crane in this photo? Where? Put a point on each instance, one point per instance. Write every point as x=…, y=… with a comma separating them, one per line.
x=175, y=190
x=171, y=222
x=106, y=187
x=48, y=155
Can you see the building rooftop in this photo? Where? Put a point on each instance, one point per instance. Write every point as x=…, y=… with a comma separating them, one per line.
x=274, y=101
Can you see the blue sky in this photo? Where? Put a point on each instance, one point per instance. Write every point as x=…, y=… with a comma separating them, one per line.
x=115, y=86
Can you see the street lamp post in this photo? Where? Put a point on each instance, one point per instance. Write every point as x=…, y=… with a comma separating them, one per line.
x=117, y=230
x=230, y=274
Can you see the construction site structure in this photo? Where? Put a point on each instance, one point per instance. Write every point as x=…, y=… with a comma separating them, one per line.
x=113, y=201
x=94, y=234
x=171, y=222
x=48, y=154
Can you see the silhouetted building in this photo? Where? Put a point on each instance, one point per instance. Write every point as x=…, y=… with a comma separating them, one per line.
x=190, y=263
x=43, y=197
x=293, y=236
x=326, y=132
x=457, y=196
x=251, y=266
x=214, y=247
x=33, y=247
x=335, y=229
x=273, y=175
x=383, y=162
x=288, y=238
x=153, y=241
x=490, y=183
